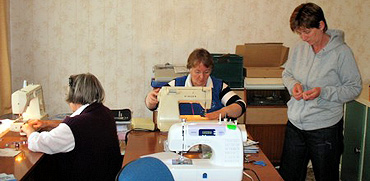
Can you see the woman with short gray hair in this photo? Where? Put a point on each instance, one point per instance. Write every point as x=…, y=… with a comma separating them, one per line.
x=85, y=89
x=84, y=146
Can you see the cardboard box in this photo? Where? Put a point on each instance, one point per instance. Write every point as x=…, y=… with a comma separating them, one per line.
x=265, y=72
x=266, y=115
x=263, y=59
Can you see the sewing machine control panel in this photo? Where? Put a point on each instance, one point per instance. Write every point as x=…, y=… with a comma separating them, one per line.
x=215, y=131
x=207, y=132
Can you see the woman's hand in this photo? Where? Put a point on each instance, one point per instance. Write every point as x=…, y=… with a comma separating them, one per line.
x=311, y=94
x=233, y=110
x=36, y=124
x=27, y=128
x=297, y=91
x=151, y=99
x=214, y=115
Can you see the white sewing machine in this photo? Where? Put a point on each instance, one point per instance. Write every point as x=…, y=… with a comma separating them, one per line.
x=170, y=97
x=29, y=102
x=225, y=140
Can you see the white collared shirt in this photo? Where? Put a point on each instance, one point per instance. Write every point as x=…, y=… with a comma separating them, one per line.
x=58, y=140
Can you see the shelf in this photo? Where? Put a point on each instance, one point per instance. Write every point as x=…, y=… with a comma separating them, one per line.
x=264, y=84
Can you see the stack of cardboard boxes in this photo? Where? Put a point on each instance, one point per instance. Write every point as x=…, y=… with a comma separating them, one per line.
x=263, y=60
x=266, y=123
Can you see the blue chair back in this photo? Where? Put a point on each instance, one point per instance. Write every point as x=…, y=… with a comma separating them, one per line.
x=147, y=168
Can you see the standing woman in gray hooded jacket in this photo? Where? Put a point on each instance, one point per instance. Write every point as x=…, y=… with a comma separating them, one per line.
x=321, y=75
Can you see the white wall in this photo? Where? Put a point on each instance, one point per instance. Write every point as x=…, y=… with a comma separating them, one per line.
x=120, y=40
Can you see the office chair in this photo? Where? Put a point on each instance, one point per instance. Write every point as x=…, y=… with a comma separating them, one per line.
x=142, y=169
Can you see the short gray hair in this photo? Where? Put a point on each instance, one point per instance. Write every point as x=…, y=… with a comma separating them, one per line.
x=85, y=89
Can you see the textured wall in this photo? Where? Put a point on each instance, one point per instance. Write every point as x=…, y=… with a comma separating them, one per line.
x=120, y=40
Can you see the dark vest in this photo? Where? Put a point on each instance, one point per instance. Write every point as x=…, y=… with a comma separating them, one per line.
x=96, y=155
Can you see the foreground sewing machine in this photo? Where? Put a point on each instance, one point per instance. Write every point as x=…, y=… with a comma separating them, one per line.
x=29, y=102
x=224, y=137
x=170, y=97
x=225, y=140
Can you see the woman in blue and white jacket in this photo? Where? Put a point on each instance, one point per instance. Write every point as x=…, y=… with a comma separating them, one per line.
x=225, y=102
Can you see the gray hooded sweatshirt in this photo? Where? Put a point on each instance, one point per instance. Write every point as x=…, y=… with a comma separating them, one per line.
x=334, y=70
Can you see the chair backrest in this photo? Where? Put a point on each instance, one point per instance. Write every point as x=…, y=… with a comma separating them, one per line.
x=147, y=168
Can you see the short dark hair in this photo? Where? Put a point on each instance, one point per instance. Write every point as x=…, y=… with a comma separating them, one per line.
x=85, y=89
x=307, y=15
x=198, y=56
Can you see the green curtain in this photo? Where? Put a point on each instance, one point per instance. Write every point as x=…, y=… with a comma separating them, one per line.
x=5, y=77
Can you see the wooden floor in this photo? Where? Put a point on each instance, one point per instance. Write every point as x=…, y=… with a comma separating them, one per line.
x=310, y=176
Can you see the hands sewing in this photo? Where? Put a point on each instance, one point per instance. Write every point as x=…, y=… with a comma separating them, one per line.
x=31, y=126
x=298, y=93
x=214, y=115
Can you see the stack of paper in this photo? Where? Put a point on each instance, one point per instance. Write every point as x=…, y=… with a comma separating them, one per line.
x=250, y=146
x=167, y=72
x=8, y=152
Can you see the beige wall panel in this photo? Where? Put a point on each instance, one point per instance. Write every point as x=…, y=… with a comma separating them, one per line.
x=120, y=41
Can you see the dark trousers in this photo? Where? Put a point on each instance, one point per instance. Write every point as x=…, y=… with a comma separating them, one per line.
x=323, y=147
